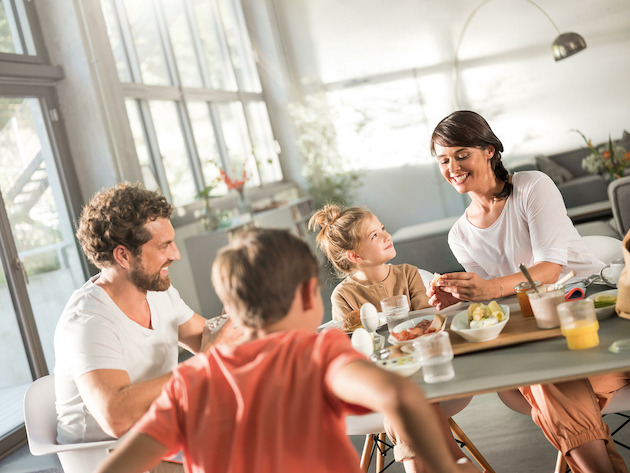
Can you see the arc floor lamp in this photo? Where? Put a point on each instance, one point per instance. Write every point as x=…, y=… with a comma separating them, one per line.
x=565, y=45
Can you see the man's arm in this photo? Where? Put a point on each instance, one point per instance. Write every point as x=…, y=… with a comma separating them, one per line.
x=190, y=333
x=363, y=383
x=115, y=403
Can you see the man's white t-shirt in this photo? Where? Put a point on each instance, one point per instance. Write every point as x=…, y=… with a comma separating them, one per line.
x=93, y=333
x=533, y=227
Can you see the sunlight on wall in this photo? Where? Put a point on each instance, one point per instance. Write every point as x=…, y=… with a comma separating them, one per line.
x=387, y=124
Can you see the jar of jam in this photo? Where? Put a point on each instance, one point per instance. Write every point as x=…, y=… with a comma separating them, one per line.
x=521, y=292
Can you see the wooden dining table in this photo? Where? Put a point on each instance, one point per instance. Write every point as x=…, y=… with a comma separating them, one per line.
x=536, y=357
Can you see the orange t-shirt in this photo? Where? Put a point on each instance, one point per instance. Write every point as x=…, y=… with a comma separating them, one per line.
x=262, y=407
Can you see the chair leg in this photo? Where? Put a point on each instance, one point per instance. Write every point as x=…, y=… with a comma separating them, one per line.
x=367, y=452
x=380, y=454
x=561, y=464
x=463, y=438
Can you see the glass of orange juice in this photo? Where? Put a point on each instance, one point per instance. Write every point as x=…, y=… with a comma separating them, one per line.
x=578, y=322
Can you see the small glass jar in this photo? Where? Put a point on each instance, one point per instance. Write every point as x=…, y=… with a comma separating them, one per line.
x=521, y=293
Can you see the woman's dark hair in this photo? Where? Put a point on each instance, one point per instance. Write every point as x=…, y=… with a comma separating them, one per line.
x=469, y=129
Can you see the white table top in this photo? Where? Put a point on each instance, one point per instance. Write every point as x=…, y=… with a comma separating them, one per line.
x=531, y=363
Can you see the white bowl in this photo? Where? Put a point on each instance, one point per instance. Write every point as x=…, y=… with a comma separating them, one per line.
x=407, y=324
x=393, y=359
x=604, y=312
x=461, y=327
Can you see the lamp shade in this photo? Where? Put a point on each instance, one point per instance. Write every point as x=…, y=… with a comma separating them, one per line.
x=567, y=44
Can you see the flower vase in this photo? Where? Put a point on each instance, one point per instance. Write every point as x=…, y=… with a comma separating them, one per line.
x=243, y=205
x=209, y=218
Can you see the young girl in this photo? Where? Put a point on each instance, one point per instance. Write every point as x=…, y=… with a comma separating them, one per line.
x=359, y=247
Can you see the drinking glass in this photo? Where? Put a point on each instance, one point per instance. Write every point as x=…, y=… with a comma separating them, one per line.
x=578, y=321
x=436, y=354
x=395, y=309
x=544, y=304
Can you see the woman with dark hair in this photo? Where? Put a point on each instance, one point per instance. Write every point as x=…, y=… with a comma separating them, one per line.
x=513, y=219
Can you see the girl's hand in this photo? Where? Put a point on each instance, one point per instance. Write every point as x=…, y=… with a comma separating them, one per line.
x=469, y=287
x=439, y=298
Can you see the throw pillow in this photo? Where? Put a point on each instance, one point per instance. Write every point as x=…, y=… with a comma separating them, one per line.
x=557, y=173
x=624, y=142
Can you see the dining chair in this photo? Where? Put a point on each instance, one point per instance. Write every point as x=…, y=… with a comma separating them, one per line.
x=371, y=425
x=618, y=405
x=604, y=248
x=619, y=196
x=40, y=419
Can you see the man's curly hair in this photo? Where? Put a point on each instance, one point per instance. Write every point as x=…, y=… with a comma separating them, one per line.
x=116, y=216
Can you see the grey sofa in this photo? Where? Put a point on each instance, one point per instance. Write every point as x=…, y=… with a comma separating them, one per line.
x=576, y=185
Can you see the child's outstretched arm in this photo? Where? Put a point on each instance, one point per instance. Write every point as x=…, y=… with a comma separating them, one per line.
x=363, y=383
x=136, y=453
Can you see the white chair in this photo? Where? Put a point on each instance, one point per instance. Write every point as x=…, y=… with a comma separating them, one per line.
x=426, y=276
x=40, y=419
x=619, y=403
x=604, y=248
x=371, y=425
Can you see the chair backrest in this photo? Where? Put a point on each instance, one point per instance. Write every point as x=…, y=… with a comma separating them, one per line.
x=426, y=276
x=40, y=417
x=604, y=248
x=619, y=196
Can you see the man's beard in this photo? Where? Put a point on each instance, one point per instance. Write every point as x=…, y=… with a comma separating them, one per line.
x=146, y=281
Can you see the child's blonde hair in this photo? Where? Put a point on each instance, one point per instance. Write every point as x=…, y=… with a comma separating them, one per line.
x=258, y=273
x=340, y=232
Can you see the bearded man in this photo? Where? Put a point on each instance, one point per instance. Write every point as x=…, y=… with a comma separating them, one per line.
x=116, y=341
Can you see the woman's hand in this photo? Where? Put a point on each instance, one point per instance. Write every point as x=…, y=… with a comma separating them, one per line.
x=469, y=287
x=439, y=298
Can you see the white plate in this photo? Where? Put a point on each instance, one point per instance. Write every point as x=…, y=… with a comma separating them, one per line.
x=412, y=323
x=604, y=312
x=461, y=326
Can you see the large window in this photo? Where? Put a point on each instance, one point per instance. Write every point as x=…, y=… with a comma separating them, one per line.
x=193, y=96
x=40, y=262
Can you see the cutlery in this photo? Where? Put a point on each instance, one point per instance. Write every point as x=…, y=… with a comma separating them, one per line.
x=528, y=276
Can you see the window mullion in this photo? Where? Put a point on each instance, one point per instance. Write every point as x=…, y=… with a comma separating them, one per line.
x=13, y=19
x=167, y=46
x=218, y=131
x=191, y=145
x=128, y=43
x=225, y=50
x=155, y=155
x=197, y=46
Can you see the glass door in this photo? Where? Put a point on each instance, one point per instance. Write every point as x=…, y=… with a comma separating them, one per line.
x=41, y=263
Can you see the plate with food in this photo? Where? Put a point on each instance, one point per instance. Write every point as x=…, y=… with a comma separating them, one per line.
x=480, y=322
x=408, y=331
x=604, y=302
x=395, y=359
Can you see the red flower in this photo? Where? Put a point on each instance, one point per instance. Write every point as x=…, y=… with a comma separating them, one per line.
x=234, y=183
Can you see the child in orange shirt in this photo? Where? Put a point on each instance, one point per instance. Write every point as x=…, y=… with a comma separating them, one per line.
x=276, y=401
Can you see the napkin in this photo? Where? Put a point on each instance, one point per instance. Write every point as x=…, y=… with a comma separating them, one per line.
x=574, y=291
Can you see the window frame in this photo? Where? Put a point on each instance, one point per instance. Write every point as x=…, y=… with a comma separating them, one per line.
x=181, y=95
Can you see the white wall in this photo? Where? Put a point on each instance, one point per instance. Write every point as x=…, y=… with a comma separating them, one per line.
x=507, y=74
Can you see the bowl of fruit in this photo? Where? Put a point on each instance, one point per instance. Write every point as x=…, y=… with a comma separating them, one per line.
x=604, y=303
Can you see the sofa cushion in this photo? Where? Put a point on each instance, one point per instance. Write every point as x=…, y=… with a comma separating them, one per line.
x=584, y=190
x=555, y=171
